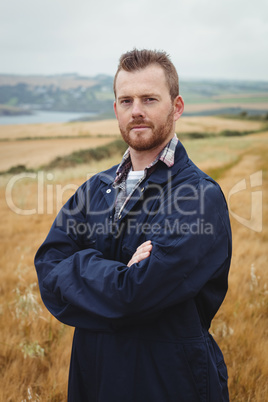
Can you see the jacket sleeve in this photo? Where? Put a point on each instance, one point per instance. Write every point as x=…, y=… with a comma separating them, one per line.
x=83, y=289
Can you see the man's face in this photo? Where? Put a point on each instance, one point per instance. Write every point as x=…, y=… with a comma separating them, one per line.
x=144, y=110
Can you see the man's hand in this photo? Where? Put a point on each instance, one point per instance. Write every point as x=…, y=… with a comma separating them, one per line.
x=142, y=252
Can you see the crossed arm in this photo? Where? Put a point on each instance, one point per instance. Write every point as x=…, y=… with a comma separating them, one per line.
x=80, y=283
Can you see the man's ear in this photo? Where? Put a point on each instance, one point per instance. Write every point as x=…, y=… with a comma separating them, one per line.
x=115, y=111
x=178, y=107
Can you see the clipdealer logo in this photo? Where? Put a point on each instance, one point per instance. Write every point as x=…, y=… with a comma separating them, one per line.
x=49, y=196
x=255, y=220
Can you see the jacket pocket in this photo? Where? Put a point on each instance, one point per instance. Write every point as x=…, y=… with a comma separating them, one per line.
x=157, y=371
x=223, y=378
x=196, y=363
x=218, y=373
x=91, y=243
x=127, y=253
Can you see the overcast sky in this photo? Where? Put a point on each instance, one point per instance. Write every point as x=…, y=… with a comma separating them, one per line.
x=205, y=38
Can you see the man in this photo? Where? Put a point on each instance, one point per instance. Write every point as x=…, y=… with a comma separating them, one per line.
x=137, y=260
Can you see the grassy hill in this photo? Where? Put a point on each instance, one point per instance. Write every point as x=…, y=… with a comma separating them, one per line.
x=74, y=93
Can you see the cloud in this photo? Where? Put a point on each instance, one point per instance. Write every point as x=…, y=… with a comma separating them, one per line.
x=216, y=39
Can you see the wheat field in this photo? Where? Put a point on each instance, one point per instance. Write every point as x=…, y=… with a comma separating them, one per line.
x=110, y=127
x=33, y=145
x=35, y=347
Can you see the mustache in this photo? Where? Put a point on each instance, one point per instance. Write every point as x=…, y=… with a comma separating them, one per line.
x=139, y=122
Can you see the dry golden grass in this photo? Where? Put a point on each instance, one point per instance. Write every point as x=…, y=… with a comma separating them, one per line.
x=35, y=153
x=241, y=326
x=31, y=144
x=35, y=348
x=105, y=127
x=110, y=127
x=211, y=124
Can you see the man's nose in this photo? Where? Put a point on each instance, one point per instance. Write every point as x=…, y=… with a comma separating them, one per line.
x=137, y=109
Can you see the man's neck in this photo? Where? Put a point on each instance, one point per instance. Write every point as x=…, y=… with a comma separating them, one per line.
x=141, y=159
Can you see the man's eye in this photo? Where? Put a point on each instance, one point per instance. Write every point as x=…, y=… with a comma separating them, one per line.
x=125, y=101
x=149, y=100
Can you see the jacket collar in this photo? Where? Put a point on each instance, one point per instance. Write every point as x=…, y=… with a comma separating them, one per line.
x=160, y=174
x=167, y=156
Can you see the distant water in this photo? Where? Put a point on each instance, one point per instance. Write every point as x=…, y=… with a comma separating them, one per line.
x=41, y=116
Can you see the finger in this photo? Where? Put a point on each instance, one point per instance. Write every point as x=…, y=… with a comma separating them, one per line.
x=139, y=253
x=145, y=247
x=138, y=258
x=146, y=243
x=141, y=256
x=143, y=250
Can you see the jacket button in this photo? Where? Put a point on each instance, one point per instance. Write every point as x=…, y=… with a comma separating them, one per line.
x=108, y=191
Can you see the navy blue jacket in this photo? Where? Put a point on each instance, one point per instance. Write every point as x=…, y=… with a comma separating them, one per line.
x=141, y=332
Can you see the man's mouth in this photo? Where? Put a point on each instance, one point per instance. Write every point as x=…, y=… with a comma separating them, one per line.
x=139, y=127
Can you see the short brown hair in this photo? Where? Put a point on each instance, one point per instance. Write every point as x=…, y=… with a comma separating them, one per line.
x=139, y=59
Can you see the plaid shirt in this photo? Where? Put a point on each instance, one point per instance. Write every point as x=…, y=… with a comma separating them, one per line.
x=166, y=155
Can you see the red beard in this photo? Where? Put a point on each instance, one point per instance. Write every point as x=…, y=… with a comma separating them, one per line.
x=145, y=142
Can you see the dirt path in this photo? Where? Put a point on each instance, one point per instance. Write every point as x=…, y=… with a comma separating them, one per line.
x=241, y=324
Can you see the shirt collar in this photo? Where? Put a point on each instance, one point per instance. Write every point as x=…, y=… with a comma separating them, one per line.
x=167, y=156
